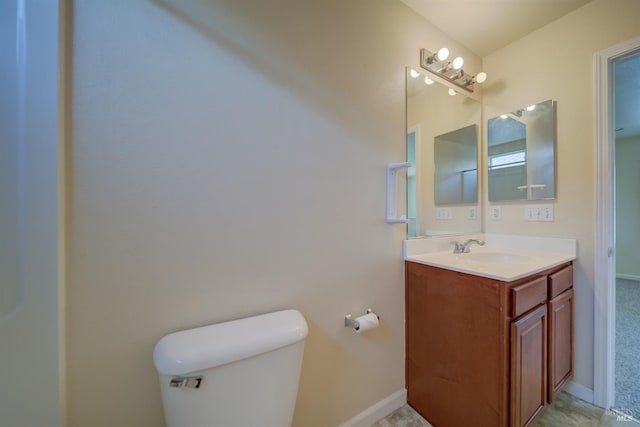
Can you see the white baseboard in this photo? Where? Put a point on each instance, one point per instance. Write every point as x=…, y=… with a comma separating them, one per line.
x=628, y=277
x=580, y=391
x=378, y=411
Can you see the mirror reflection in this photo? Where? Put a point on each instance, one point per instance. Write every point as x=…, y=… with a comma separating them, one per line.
x=521, y=154
x=442, y=144
x=456, y=166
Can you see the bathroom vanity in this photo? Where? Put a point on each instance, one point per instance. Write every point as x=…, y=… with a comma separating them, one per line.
x=485, y=349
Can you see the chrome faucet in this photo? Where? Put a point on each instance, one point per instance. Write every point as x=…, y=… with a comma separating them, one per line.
x=463, y=248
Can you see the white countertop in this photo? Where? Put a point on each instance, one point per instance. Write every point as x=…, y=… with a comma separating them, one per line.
x=504, y=257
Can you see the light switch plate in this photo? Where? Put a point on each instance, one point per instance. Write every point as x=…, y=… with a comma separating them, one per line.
x=538, y=212
x=444, y=213
x=473, y=213
x=496, y=213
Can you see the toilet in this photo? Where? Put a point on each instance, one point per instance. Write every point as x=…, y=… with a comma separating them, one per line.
x=238, y=373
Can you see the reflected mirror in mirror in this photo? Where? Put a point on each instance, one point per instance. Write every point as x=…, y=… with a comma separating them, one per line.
x=456, y=166
x=521, y=154
x=442, y=187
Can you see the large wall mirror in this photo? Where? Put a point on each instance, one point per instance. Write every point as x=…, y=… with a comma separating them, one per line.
x=442, y=143
x=521, y=153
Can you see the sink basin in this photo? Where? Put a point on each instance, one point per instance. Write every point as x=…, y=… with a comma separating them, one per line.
x=496, y=257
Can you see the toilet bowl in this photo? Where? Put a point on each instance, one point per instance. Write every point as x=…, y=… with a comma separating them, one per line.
x=239, y=373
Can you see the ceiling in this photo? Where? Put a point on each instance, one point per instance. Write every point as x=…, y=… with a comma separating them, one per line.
x=484, y=26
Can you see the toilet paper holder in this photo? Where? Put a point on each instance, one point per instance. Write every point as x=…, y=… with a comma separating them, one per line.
x=348, y=319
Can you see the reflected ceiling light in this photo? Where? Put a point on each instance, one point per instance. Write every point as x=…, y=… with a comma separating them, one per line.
x=531, y=107
x=413, y=73
x=449, y=71
x=503, y=116
x=452, y=92
x=427, y=80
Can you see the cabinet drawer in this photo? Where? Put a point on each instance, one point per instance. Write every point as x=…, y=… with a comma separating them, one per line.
x=528, y=295
x=560, y=281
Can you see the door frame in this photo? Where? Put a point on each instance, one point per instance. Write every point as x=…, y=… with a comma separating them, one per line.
x=605, y=238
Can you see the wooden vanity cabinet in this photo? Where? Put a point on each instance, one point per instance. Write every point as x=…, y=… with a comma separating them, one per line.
x=560, y=309
x=528, y=366
x=485, y=352
x=528, y=392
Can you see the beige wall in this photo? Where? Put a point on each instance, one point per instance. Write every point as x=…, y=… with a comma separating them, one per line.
x=557, y=62
x=229, y=159
x=627, y=206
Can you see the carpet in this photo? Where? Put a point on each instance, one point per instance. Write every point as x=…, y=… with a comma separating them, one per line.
x=627, y=381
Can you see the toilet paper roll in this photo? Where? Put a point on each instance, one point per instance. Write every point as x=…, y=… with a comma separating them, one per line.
x=366, y=322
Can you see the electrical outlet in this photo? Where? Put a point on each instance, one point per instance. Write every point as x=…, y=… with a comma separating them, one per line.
x=496, y=213
x=473, y=213
x=538, y=213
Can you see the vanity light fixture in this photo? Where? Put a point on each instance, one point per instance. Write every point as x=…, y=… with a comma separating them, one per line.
x=414, y=73
x=481, y=77
x=452, y=92
x=440, y=56
x=449, y=71
x=457, y=62
x=427, y=80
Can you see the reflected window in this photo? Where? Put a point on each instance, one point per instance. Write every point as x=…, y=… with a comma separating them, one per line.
x=507, y=160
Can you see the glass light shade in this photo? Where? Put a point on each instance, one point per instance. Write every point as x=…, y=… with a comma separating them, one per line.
x=481, y=77
x=427, y=80
x=457, y=63
x=452, y=92
x=413, y=73
x=443, y=53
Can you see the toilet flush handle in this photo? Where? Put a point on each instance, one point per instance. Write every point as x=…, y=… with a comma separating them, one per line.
x=186, y=382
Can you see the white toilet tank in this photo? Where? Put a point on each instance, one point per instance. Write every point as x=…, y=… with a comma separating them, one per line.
x=239, y=373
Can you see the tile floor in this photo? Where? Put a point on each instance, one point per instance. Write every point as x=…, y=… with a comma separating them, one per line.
x=566, y=411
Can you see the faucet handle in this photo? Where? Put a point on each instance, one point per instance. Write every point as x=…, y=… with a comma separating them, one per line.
x=458, y=248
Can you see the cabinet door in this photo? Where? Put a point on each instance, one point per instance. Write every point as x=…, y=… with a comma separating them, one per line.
x=528, y=366
x=560, y=342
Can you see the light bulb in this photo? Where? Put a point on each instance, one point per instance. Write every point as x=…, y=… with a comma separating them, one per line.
x=531, y=107
x=427, y=80
x=443, y=53
x=457, y=63
x=413, y=73
x=481, y=77
x=452, y=92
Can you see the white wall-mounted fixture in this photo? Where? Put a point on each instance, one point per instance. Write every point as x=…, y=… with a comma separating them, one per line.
x=538, y=212
x=450, y=72
x=370, y=320
x=392, y=193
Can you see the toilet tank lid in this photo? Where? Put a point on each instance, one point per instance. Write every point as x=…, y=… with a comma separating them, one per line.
x=206, y=347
